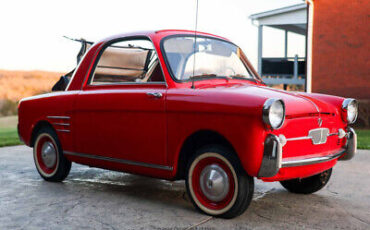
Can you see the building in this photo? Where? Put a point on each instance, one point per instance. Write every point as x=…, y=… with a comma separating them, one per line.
x=337, y=47
x=340, y=38
x=282, y=70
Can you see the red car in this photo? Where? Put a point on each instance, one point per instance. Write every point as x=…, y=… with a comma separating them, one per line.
x=174, y=105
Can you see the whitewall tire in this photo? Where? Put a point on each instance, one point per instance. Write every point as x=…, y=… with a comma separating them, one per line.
x=217, y=184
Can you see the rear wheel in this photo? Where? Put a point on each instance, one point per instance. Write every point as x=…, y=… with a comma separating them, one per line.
x=307, y=185
x=48, y=156
x=217, y=184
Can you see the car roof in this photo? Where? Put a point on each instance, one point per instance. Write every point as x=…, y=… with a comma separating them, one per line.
x=161, y=34
x=173, y=32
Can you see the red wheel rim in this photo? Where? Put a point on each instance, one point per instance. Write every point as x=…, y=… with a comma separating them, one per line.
x=200, y=196
x=39, y=159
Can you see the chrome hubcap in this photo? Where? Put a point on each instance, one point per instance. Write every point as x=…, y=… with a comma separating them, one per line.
x=48, y=154
x=214, y=182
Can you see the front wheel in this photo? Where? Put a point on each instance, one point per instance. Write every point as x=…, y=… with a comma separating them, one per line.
x=48, y=156
x=217, y=184
x=307, y=185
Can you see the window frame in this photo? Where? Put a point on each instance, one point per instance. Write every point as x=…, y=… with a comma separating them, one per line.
x=172, y=75
x=89, y=83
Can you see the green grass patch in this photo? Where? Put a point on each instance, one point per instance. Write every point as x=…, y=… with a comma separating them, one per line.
x=9, y=136
x=363, y=138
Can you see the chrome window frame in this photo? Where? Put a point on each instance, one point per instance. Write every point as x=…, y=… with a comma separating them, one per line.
x=89, y=82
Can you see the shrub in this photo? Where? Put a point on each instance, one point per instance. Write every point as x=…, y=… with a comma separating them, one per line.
x=8, y=107
x=363, y=120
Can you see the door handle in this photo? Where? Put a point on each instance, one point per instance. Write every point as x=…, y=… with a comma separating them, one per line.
x=154, y=94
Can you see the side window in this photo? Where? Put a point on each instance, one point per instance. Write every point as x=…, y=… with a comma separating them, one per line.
x=129, y=61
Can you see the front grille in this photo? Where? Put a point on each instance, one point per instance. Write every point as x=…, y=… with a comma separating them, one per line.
x=318, y=136
x=300, y=127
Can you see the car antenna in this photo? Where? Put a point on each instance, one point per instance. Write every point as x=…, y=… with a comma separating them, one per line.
x=195, y=44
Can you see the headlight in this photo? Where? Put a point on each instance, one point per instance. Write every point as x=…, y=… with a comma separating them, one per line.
x=273, y=113
x=350, y=110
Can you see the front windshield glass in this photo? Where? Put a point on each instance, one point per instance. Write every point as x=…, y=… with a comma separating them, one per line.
x=212, y=57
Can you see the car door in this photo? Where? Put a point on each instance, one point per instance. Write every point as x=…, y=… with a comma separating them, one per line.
x=120, y=114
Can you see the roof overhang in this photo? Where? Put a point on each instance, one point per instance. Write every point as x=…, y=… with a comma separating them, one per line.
x=291, y=18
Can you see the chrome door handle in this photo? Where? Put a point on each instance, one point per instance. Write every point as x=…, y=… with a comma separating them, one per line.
x=154, y=94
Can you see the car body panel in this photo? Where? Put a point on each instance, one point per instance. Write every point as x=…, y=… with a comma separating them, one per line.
x=120, y=127
x=122, y=122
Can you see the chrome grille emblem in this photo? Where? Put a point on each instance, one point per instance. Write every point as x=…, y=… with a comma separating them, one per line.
x=319, y=121
x=318, y=136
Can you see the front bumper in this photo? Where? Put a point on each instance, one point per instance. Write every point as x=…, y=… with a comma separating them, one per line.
x=351, y=145
x=272, y=160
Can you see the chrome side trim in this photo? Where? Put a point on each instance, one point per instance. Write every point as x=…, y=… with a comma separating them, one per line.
x=121, y=161
x=52, y=94
x=309, y=100
x=314, y=104
x=61, y=124
x=129, y=83
x=63, y=130
x=332, y=134
x=312, y=160
x=298, y=138
x=339, y=134
x=59, y=117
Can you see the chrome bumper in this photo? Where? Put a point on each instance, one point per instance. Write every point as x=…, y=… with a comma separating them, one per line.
x=351, y=145
x=272, y=155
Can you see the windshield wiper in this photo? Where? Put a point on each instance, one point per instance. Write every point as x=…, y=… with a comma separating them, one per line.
x=204, y=76
x=200, y=76
x=211, y=75
x=242, y=77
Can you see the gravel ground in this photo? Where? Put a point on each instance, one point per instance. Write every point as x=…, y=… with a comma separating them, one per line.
x=99, y=199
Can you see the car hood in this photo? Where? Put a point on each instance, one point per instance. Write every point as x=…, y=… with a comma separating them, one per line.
x=296, y=103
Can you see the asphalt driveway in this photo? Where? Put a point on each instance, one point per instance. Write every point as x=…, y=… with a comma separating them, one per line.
x=99, y=199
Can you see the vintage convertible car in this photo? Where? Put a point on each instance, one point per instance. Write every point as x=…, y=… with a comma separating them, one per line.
x=174, y=105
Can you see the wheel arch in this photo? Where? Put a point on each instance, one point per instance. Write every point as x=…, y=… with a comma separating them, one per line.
x=36, y=129
x=195, y=141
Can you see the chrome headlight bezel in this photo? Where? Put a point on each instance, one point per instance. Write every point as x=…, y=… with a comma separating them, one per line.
x=266, y=113
x=347, y=103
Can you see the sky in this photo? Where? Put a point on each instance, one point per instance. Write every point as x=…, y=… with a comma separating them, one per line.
x=31, y=32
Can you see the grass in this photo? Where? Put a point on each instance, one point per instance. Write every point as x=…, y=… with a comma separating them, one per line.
x=363, y=138
x=9, y=135
x=8, y=131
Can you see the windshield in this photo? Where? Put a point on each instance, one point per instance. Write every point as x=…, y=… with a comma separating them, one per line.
x=212, y=58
